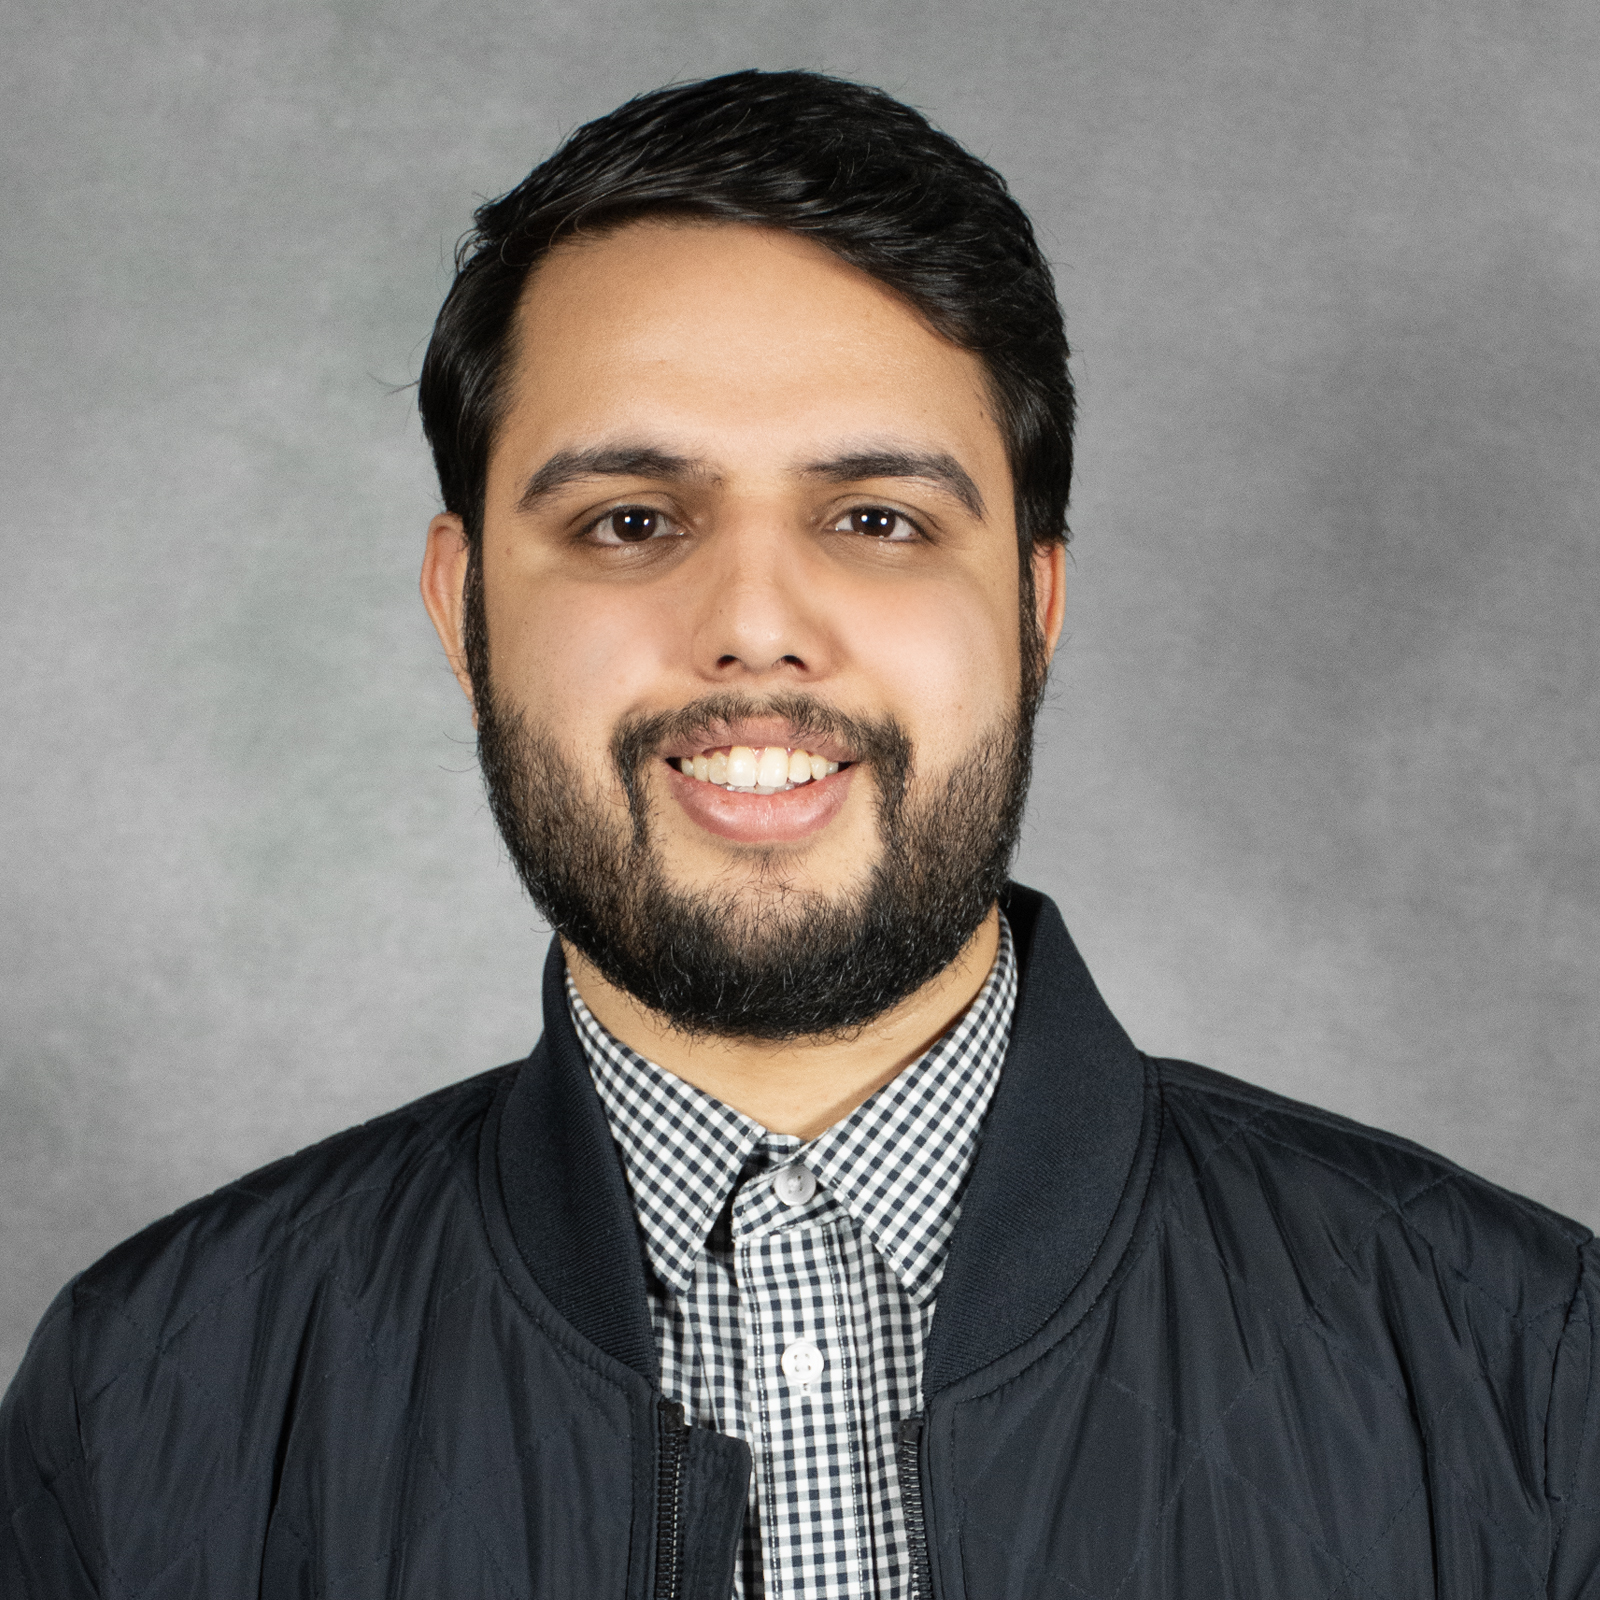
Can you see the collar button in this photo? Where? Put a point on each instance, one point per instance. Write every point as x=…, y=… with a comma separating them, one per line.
x=793, y=1185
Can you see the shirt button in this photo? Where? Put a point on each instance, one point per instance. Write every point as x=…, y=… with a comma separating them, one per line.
x=803, y=1363
x=794, y=1186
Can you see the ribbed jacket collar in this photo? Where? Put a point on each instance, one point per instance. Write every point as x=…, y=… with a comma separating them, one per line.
x=1056, y=1153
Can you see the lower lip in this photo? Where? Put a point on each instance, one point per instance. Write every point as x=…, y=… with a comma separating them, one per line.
x=783, y=818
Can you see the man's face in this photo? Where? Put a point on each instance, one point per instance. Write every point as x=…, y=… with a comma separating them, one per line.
x=743, y=498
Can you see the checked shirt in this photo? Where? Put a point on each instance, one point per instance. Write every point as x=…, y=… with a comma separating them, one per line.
x=792, y=1284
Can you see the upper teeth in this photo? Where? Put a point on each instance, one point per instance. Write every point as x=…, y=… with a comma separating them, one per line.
x=768, y=771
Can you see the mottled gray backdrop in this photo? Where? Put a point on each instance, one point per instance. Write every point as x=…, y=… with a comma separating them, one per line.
x=1318, y=783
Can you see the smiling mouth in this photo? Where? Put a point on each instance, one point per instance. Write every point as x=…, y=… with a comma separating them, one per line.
x=744, y=769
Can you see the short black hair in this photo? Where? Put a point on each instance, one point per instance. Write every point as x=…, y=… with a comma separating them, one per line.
x=818, y=156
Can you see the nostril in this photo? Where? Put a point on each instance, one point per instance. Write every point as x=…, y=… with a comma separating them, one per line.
x=750, y=665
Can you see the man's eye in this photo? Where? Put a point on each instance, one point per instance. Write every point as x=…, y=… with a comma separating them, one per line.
x=633, y=525
x=877, y=522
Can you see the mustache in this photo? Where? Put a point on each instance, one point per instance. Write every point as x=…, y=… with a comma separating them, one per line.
x=881, y=741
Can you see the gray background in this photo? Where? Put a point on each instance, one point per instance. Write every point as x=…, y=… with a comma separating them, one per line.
x=1318, y=783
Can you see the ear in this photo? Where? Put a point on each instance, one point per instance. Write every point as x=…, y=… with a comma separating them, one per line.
x=1050, y=593
x=444, y=577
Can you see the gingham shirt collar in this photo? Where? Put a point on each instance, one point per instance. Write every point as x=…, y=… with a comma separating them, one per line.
x=897, y=1163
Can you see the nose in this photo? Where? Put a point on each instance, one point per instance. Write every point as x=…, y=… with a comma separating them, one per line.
x=758, y=609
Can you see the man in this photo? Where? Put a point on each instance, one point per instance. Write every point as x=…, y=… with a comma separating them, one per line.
x=834, y=1240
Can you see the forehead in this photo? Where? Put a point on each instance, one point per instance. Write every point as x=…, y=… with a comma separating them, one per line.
x=731, y=339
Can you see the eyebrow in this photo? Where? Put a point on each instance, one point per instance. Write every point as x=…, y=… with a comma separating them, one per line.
x=606, y=461
x=566, y=467
x=934, y=467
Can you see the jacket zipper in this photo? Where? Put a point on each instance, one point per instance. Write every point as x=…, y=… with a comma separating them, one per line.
x=908, y=1453
x=669, y=1500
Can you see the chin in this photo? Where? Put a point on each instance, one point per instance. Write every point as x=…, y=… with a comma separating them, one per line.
x=767, y=880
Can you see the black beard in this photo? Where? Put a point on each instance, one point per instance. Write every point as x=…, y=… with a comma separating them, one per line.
x=781, y=962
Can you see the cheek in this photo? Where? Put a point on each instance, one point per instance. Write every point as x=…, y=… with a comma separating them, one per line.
x=946, y=659
x=577, y=657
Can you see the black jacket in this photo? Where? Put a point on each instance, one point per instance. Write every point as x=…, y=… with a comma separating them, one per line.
x=1193, y=1339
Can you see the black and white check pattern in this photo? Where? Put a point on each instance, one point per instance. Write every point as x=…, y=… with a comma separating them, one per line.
x=737, y=1276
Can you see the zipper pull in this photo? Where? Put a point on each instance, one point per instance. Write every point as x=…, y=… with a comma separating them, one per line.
x=908, y=1464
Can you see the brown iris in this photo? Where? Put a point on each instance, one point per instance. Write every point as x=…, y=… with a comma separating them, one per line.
x=874, y=520
x=634, y=524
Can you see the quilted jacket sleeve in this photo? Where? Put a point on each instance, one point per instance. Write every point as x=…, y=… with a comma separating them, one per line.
x=47, y=1546
x=1572, y=1442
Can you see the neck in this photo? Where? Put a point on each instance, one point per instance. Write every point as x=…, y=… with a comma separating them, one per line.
x=796, y=1086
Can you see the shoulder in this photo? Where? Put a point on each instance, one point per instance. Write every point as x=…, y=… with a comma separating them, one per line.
x=151, y=1406
x=1325, y=1200
x=260, y=1248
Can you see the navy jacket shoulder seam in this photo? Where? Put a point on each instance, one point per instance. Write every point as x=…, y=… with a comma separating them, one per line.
x=1265, y=1102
